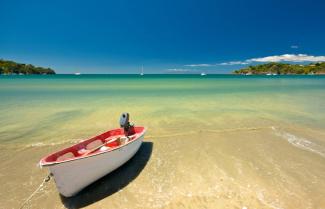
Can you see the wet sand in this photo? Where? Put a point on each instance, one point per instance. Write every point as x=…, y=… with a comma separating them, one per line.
x=247, y=167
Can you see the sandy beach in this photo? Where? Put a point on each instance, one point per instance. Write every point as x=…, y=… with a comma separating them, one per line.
x=217, y=142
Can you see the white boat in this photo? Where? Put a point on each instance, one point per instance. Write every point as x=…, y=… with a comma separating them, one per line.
x=77, y=73
x=77, y=166
x=203, y=74
x=142, y=73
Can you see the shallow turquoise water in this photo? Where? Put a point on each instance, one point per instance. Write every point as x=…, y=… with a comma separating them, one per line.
x=52, y=108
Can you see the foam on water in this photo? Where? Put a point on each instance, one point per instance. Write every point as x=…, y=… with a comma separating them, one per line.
x=300, y=142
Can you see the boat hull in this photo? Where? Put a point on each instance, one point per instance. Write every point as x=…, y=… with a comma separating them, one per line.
x=72, y=176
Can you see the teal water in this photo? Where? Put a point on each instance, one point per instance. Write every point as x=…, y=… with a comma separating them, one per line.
x=219, y=141
x=34, y=105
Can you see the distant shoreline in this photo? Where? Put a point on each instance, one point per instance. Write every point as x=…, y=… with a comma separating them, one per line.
x=157, y=75
x=13, y=68
x=8, y=67
x=283, y=69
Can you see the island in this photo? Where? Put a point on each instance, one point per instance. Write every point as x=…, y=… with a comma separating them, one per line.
x=12, y=68
x=283, y=69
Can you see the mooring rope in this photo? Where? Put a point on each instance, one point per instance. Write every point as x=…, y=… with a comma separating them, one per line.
x=45, y=180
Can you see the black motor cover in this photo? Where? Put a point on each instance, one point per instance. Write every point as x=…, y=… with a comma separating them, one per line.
x=125, y=124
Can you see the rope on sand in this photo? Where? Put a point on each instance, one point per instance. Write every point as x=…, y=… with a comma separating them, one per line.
x=210, y=130
x=45, y=180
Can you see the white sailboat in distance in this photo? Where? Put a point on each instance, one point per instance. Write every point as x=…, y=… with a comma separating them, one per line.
x=142, y=71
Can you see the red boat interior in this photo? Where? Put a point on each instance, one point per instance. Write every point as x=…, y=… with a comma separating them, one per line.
x=109, y=140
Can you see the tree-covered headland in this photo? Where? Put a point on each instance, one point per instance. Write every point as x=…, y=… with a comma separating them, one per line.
x=10, y=67
x=283, y=69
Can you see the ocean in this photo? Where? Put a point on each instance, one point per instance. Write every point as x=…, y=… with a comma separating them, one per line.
x=214, y=141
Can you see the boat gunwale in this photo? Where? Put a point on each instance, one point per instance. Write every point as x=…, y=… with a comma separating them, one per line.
x=43, y=163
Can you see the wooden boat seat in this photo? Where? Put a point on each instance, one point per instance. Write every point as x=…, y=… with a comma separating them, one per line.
x=94, y=144
x=66, y=156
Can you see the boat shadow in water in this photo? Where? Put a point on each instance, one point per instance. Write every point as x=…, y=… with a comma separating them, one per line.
x=112, y=182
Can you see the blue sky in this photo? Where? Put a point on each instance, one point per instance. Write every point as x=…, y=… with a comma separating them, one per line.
x=165, y=36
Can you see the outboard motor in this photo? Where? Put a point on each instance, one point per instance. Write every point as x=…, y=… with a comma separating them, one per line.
x=126, y=125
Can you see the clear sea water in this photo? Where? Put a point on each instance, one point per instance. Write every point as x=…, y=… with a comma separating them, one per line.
x=216, y=140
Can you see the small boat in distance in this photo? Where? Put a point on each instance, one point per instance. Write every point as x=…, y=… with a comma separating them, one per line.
x=142, y=73
x=77, y=166
x=77, y=73
x=203, y=74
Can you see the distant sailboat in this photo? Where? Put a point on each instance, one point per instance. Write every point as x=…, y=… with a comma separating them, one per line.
x=203, y=74
x=77, y=73
x=142, y=71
